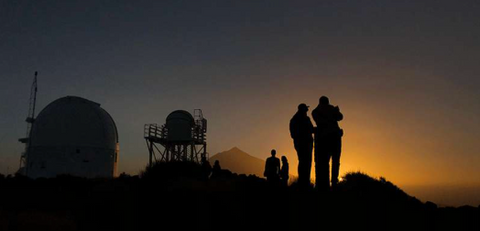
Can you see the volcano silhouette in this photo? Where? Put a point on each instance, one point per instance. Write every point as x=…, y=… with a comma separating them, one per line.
x=239, y=162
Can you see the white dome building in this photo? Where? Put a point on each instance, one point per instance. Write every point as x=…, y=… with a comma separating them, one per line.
x=73, y=136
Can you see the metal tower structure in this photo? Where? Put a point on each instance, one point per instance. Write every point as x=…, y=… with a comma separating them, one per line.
x=30, y=120
x=181, y=138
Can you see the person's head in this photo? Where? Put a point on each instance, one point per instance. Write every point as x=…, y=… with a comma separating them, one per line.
x=284, y=159
x=303, y=107
x=273, y=152
x=324, y=100
x=217, y=162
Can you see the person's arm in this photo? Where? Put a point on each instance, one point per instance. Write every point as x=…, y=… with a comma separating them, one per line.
x=310, y=126
x=278, y=167
x=314, y=115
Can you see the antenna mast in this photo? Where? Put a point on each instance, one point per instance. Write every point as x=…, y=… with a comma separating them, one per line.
x=30, y=120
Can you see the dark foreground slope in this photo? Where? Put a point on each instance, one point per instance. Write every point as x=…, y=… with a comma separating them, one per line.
x=174, y=196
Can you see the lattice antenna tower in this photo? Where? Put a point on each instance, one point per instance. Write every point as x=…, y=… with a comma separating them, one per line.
x=30, y=120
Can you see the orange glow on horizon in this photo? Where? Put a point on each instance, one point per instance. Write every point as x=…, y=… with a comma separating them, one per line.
x=380, y=141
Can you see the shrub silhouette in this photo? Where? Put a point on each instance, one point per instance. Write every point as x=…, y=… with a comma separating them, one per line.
x=376, y=191
x=172, y=170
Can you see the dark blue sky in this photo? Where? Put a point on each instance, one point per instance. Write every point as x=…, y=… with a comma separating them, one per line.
x=405, y=73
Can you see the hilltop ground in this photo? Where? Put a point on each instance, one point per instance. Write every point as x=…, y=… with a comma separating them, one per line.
x=176, y=196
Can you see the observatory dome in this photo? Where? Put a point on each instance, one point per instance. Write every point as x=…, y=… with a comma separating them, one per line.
x=180, y=124
x=73, y=136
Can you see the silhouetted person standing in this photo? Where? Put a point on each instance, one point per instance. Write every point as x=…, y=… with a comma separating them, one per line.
x=272, y=168
x=301, y=129
x=284, y=171
x=206, y=168
x=328, y=142
x=216, y=170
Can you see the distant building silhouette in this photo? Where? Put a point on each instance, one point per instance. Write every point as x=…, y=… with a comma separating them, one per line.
x=181, y=138
x=301, y=129
x=328, y=142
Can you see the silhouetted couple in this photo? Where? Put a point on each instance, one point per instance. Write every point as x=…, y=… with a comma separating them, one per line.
x=274, y=174
x=328, y=143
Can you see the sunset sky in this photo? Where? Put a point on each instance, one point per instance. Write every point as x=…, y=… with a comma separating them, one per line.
x=405, y=74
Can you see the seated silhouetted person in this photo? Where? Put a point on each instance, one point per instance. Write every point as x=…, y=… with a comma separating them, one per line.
x=272, y=168
x=328, y=142
x=301, y=130
x=219, y=173
x=284, y=172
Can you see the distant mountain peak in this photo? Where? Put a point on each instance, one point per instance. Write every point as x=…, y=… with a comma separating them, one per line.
x=239, y=161
x=235, y=149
